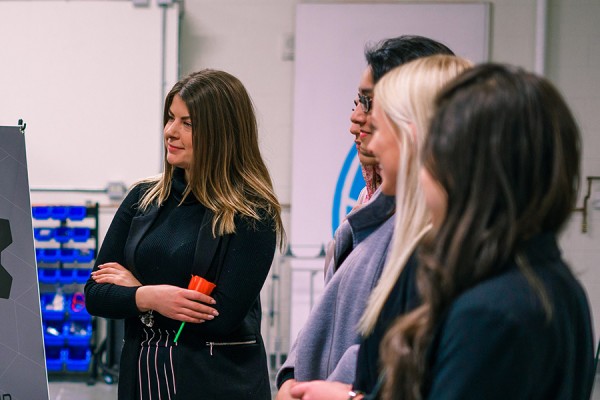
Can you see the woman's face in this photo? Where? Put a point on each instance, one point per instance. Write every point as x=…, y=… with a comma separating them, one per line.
x=361, y=120
x=385, y=145
x=436, y=198
x=178, y=135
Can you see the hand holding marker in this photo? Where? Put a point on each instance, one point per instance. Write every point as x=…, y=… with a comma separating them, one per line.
x=201, y=285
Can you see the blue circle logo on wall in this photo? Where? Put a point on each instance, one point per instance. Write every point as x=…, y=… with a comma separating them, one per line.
x=349, y=184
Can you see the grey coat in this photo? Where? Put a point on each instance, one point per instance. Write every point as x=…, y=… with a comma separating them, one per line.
x=327, y=345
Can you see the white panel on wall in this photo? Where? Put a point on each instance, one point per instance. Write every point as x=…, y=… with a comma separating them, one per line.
x=330, y=42
x=87, y=78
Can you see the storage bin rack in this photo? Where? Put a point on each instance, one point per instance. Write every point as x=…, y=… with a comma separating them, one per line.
x=66, y=243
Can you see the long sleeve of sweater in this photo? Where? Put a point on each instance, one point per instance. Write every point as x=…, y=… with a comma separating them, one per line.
x=108, y=300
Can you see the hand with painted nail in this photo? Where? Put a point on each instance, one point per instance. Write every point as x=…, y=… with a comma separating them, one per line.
x=116, y=274
x=176, y=303
x=200, y=285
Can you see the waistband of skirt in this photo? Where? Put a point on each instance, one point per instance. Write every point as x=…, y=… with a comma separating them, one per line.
x=151, y=337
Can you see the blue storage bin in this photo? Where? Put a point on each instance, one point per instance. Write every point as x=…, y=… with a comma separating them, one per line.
x=55, y=358
x=48, y=311
x=39, y=255
x=81, y=315
x=78, y=359
x=50, y=255
x=59, y=212
x=68, y=255
x=63, y=234
x=81, y=234
x=78, y=333
x=66, y=275
x=82, y=275
x=77, y=213
x=43, y=234
x=55, y=333
x=48, y=275
x=41, y=212
x=85, y=255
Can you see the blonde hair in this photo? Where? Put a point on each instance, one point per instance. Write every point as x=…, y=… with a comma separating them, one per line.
x=406, y=95
x=228, y=174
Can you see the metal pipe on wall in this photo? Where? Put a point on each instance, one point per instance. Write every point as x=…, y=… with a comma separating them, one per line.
x=163, y=78
x=541, y=14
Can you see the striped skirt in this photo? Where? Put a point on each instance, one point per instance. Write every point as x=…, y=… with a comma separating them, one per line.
x=156, y=377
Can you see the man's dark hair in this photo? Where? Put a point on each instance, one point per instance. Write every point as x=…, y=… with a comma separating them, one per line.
x=390, y=53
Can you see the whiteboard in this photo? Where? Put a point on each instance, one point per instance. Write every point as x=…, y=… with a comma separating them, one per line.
x=87, y=78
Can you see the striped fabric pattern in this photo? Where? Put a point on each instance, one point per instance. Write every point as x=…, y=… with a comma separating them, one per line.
x=156, y=377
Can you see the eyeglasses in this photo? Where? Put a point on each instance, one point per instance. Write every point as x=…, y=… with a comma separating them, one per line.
x=366, y=102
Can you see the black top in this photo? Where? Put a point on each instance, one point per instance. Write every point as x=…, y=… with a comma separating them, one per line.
x=165, y=254
x=403, y=298
x=498, y=343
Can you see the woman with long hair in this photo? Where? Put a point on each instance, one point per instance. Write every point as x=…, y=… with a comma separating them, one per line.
x=212, y=213
x=502, y=317
x=402, y=109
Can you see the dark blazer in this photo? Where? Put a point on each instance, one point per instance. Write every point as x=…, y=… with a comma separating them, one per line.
x=498, y=343
x=220, y=359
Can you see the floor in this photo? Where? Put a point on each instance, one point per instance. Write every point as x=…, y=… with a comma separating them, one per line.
x=102, y=391
x=79, y=389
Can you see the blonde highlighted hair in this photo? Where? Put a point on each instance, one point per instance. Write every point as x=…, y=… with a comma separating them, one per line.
x=406, y=97
x=228, y=174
